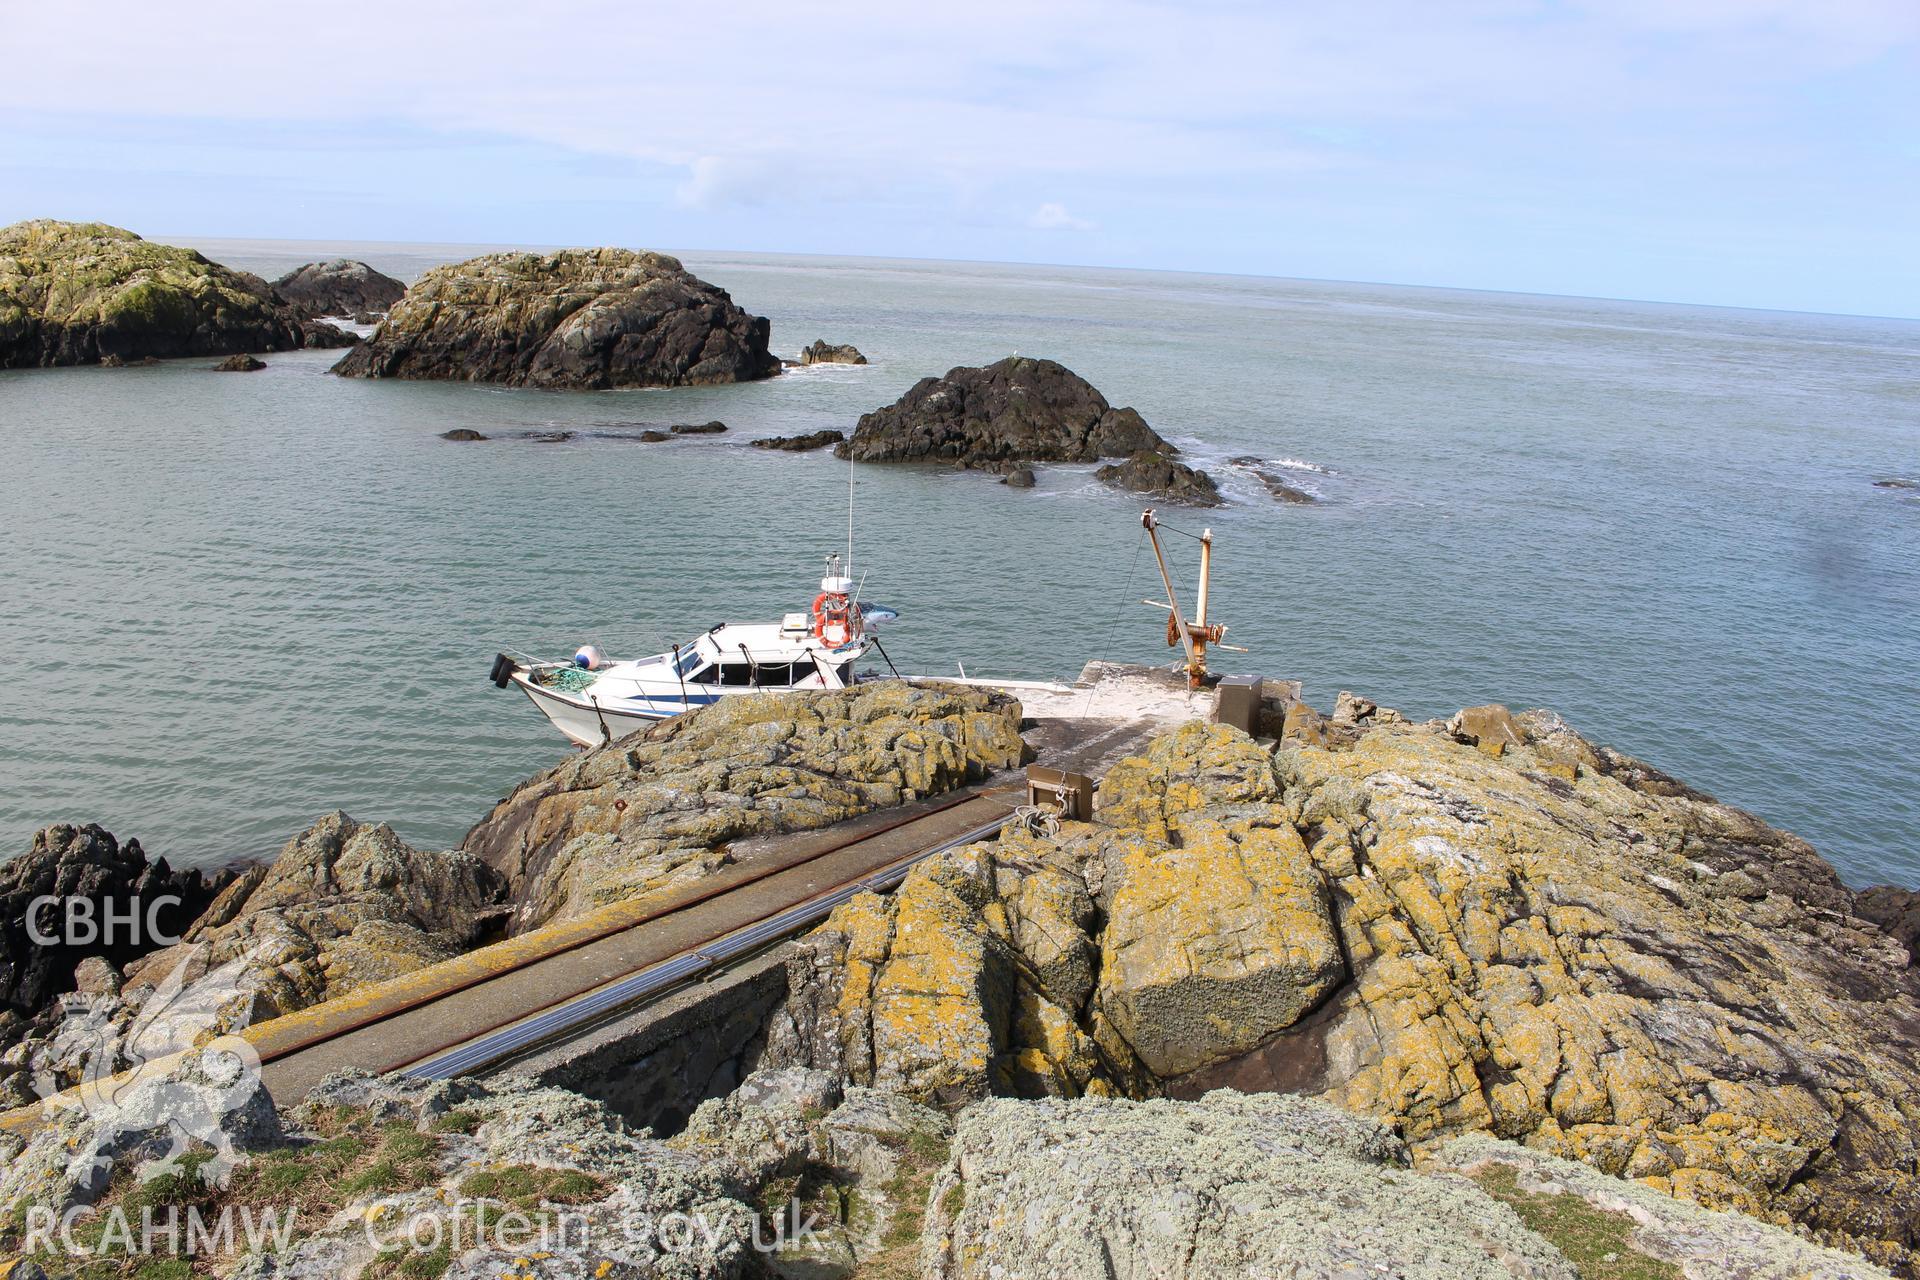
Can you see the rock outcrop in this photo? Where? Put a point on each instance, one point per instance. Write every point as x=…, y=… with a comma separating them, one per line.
x=800, y=444
x=1154, y=473
x=240, y=364
x=1236, y=1185
x=84, y=292
x=583, y=318
x=340, y=287
x=147, y=903
x=1487, y=925
x=820, y=351
x=1590, y=1214
x=1895, y=910
x=1227, y=1187
x=344, y=905
x=1014, y=410
x=373, y=1176
x=658, y=809
x=793, y=1175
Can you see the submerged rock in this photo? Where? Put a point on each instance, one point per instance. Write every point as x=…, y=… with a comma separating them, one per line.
x=1159, y=476
x=656, y=809
x=820, y=351
x=80, y=292
x=339, y=288
x=462, y=434
x=800, y=444
x=585, y=318
x=1019, y=478
x=1278, y=488
x=1014, y=410
x=1896, y=482
x=698, y=428
x=239, y=364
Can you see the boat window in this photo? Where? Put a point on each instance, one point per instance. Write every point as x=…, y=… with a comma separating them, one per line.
x=782, y=674
x=759, y=675
x=689, y=659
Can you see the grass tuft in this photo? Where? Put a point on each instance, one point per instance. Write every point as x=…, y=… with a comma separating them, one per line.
x=1598, y=1242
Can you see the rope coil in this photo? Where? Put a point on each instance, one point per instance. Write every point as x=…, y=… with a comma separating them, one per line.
x=1039, y=820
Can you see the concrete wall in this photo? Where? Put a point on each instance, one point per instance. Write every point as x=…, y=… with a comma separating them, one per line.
x=655, y=1065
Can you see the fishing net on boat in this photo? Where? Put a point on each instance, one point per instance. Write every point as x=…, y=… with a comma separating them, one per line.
x=566, y=679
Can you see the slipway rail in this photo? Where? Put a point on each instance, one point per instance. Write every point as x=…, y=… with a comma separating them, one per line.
x=773, y=891
x=561, y=983
x=630, y=992
x=504, y=1000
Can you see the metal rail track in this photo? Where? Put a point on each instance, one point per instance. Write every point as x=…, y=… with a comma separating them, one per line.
x=584, y=1010
x=279, y=1049
x=315, y=1030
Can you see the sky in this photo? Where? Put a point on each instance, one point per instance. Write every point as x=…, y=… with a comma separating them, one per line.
x=1757, y=153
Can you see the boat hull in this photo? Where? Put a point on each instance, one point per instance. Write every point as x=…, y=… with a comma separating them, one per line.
x=587, y=723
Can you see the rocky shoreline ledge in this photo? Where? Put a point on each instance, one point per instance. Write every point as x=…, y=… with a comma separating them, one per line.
x=1474, y=997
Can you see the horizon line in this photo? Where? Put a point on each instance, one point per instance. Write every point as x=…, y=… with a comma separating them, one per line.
x=491, y=245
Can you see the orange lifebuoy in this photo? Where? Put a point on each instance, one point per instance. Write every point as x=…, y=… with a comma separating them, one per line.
x=832, y=618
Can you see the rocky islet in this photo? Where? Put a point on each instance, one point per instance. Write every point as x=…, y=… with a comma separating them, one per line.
x=573, y=319
x=340, y=287
x=577, y=318
x=820, y=351
x=88, y=293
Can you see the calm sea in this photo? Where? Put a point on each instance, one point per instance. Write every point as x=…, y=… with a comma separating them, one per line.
x=230, y=603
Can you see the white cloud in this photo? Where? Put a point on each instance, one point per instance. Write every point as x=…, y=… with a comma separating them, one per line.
x=972, y=106
x=880, y=100
x=1052, y=216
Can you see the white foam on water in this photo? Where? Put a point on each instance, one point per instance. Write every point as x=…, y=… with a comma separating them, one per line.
x=1298, y=464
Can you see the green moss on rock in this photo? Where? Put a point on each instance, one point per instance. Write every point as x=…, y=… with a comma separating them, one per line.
x=79, y=292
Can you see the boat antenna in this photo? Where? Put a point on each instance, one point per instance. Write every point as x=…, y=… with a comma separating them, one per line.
x=850, y=465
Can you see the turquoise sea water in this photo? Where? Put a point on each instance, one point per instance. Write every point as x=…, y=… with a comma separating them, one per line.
x=232, y=602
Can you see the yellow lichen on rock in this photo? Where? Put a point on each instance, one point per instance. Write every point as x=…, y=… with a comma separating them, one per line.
x=1550, y=942
x=1555, y=943
x=639, y=816
x=1214, y=943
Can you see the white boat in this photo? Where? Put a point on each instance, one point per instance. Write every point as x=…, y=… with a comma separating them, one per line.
x=592, y=699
